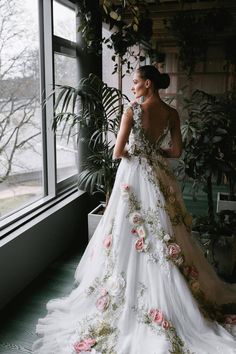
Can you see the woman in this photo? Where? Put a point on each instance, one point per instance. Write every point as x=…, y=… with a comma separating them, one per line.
x=144, y=285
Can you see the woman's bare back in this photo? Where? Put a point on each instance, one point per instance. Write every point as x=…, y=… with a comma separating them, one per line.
x=156, y=117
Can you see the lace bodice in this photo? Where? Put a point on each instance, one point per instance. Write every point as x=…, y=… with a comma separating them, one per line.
x=139, y=142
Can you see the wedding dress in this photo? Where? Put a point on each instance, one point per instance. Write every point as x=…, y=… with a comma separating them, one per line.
x=143, y=284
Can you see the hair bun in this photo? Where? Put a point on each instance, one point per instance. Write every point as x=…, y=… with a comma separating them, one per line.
x=164, y=81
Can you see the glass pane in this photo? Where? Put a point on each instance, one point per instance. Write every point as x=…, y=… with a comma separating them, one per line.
x=64, y=22
x=66, y=73
x=21, y=168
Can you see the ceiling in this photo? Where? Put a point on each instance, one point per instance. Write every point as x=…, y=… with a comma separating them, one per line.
x=165, y=9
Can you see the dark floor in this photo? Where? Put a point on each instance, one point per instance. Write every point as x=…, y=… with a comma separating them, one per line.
x=18, y=320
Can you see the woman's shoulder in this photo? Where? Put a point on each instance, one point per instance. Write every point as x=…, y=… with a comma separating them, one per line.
x=173, y=116
x=132, y=109
x=133, y=105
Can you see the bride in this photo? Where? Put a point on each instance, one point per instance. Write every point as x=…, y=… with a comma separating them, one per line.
x=143, y=284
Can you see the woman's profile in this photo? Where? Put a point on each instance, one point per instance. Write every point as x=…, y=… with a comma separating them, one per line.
x=144, y=286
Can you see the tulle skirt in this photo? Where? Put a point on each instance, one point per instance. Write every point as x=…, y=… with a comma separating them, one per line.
x=143, y=284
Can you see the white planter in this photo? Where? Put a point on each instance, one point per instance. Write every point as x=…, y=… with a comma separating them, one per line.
x=94, y=218
x=224, y=203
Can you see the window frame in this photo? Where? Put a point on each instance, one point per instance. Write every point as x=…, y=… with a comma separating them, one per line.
x=53, y=191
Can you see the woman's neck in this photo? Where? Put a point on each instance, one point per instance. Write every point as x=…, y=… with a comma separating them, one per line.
x=152, y=97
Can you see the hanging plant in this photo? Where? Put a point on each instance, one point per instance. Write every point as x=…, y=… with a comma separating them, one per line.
x=129, y=23
x=193, y=31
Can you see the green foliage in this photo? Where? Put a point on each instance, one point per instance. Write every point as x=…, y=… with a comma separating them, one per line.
x=95, y=106
x=99, y=170
x=194, y=30
x=129, y=23
x=217, y=233
x=209, y=138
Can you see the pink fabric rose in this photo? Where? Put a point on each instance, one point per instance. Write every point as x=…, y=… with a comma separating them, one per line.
x=134, y=231
x=157, y=316
x=230, y=319
x=125, y=187
x=84, y=345
x=165, y=325
x=139, y=244
x=103, y=292
x=174, y=250
x=193, y=273
x=90, y=341
x=102, y=303
x=107, y=242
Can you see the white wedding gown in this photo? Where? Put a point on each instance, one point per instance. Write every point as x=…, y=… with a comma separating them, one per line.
x=144, y=286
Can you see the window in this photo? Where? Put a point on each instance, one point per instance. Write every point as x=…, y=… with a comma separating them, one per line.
x=21, y=164
x=67, y=153
x=34, y=166
x=64, y=21
x=66, y=73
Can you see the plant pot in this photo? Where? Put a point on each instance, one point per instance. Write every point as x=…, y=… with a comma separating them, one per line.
x=225, y=255
x=223, y=202
x=94, y=218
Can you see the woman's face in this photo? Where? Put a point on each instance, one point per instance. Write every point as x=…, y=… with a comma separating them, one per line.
x=140, y=86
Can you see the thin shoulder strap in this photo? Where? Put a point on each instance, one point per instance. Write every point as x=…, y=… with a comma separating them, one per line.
x=136, y=108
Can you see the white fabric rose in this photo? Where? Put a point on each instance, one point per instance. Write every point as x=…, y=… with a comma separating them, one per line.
x=116, y=285
x=125, y=190
x=141, y=231
x=135, y=218
x=166, y=237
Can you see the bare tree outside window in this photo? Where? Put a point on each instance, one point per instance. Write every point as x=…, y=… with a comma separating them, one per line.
x=20, y=113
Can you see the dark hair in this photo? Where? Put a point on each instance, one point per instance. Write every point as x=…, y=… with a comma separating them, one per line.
x=150, y=72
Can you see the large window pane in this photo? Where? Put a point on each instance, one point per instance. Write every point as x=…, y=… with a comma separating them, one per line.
x=64, y=21
x=21, y=167
x=66, y=73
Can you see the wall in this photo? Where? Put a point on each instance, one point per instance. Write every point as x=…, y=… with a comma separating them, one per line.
x=26, y=252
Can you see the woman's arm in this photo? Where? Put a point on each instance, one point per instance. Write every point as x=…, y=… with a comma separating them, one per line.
x=175, y=150
x=123, y=135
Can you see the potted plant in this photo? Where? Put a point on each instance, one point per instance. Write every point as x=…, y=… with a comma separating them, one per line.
x=206, y=132
x=98, y=108
x=219, y=241
x=227, y=174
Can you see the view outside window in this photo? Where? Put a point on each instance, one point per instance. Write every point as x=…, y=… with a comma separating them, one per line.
x=64, y=22
x=21, y=167
x=66, y=73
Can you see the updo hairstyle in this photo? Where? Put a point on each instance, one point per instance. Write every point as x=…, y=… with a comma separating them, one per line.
x=150, y=72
